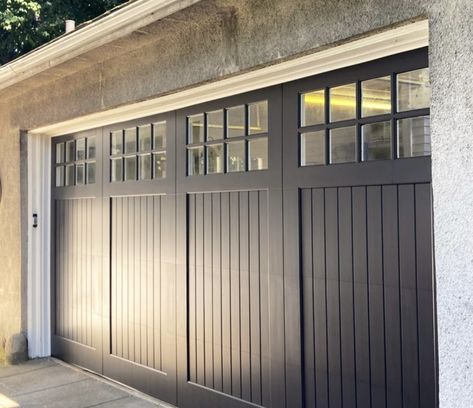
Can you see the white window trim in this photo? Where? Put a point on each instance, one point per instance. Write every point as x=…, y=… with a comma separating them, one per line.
x=392, y=41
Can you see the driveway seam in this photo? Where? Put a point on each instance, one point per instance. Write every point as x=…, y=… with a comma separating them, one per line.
x=48, y=388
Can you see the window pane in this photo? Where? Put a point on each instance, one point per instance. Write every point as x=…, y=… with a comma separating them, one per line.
x=145, y=167
x=215, y=125
x=70, y=151
x=80, y=173
x=196, y=129
x=130, y=168
x=130, y=140
x=376, y=96
x=313, y=108
x=413, y=90
x=70, y=175
x=80, y=149
x=159, y=135
x=116, y=170
x=343, y=145
x=258, y=117
x=60, y=153
x=116, y=146
x=236, y=121
x=342, y=102
x=60, y=176
x=195, y=164
x=413, y=137
x=376, y=141
x=91, y=150
x=258, y=152
x=159, y=165
x=236, y=156
x=215, y=159
x=144, y=133
x=90, y=173
x=313, y=148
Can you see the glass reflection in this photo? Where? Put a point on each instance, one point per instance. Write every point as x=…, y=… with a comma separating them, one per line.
x=413, y=90
x=342, y=102
x=413, y=137
x=376, y=96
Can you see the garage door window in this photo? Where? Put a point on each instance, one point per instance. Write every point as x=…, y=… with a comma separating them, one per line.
x=75, y=162
x=228, y=140
x=138, y=153
x=379, y=118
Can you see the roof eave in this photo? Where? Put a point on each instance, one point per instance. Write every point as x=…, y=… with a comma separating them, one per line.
x=98, y=32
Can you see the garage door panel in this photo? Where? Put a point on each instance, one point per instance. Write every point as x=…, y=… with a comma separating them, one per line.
x=137, y=276
x=363, y=319
x=75, y=267
x=227, y=270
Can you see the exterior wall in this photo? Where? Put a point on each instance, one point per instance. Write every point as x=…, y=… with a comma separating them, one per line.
x=452, y=153
x=228, y=36
x=11, y=294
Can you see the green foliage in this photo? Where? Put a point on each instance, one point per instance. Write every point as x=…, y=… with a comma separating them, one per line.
x=26, y=24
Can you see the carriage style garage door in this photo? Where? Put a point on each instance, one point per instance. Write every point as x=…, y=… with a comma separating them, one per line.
x=270, y=249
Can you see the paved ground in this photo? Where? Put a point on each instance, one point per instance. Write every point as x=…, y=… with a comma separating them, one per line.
x=51, y=383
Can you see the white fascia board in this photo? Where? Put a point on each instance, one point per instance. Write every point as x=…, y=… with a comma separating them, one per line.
x=117, y=24
x=392, y=41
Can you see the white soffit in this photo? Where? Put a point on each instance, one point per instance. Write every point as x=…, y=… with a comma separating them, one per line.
x=404, y=38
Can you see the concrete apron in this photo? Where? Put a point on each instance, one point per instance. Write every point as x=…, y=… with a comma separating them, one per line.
x=53, y=383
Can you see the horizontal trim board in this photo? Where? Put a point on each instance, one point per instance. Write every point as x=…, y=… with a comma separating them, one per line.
x=392, y=41
x=103, y=30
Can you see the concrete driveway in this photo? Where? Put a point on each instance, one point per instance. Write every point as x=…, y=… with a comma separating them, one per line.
x=51, y=383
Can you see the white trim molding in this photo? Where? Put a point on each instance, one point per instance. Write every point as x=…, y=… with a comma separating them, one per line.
x=392, y=41
x=39, y=238
x=103, y=30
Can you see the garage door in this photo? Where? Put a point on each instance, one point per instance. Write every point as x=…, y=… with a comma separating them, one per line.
x=269, y=249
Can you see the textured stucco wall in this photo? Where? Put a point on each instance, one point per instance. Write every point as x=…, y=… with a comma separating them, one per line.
x=11, y=294
x=216, y=38
x=452, y=137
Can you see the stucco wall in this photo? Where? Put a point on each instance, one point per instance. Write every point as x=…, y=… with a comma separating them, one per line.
x=222, y=37
x=10, y=236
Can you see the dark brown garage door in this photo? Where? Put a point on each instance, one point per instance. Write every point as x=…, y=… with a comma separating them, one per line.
x=269, y=249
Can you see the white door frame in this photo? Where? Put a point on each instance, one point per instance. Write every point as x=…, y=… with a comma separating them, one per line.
x=367, y=48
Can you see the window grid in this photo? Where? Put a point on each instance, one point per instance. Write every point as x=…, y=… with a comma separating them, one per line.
x=358, y=121
x=119, y=159
x=69, y=162
x=226, y=142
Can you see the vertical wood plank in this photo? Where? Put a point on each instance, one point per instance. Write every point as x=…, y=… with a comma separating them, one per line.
x=245, y=297
x=192, y=291
x=361, y=298
x=217, y=290
x=391, y=296
x=226, y=296
x=208, y=290
x=235, y=293
x=376, y=305
x=307, y=231
x=255, y=296
x=264, y=301
x=346, y=297
x=320, y=298
x=425, y=295
x=407, y=263
x=333, y=297
x=200, y=298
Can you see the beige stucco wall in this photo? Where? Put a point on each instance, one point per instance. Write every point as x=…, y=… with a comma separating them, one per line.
x=11, y=296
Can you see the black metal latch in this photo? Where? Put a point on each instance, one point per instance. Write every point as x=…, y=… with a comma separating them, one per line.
x=35, y=220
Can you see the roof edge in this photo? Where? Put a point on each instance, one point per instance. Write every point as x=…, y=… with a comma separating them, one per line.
x=102, y=30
